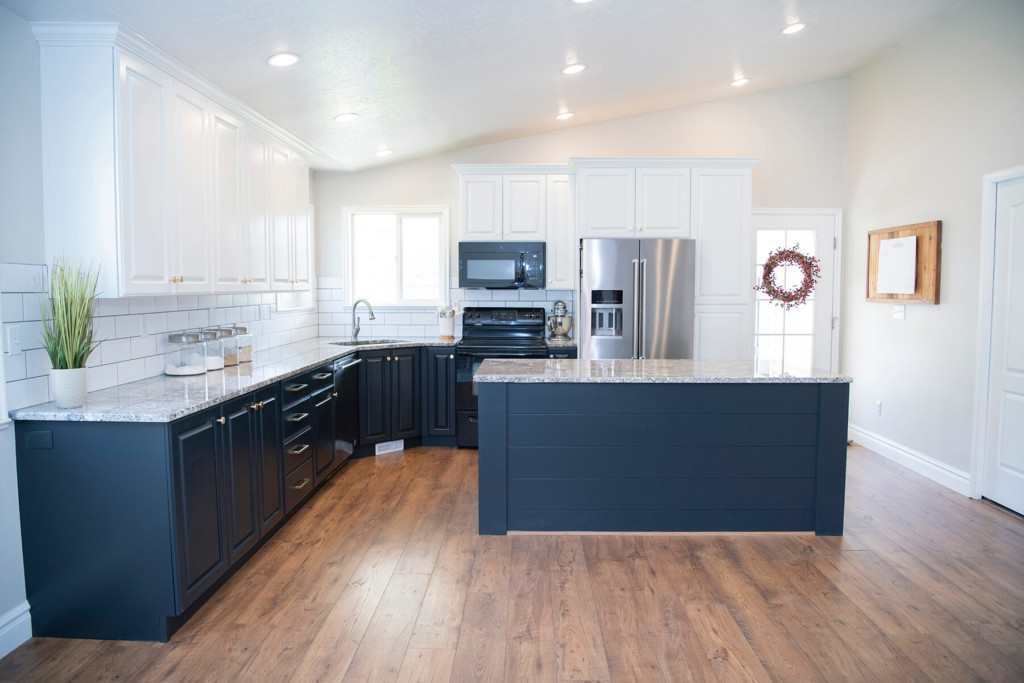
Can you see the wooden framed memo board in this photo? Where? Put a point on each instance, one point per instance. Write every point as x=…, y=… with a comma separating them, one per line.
x=929, y=258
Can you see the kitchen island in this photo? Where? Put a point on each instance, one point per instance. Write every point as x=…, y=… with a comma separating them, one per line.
x=660, y=445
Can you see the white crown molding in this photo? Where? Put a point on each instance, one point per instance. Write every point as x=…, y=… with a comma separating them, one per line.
x=69, y=34
x=661, y=162
x=511, y=169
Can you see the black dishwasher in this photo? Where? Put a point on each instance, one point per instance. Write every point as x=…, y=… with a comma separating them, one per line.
x=346, y=406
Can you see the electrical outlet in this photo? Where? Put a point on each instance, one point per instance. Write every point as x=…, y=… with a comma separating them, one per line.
x=878, y=407
x=14, y=346
x=899, y=312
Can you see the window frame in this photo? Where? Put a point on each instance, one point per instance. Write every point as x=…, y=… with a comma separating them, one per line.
x=444, y=249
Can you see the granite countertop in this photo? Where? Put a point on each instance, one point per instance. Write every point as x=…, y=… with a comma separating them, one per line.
x=164, y=399
x=530, y=371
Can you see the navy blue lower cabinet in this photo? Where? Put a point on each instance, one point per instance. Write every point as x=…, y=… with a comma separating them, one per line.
x=662, y=457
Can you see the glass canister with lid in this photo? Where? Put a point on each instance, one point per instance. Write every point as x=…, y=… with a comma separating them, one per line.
x=187, y=355
x=214, y=348
x=227, y=335
x=244, y=337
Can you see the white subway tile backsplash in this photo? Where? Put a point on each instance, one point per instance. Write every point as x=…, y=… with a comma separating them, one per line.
x=155, y=365
x=154, y=323
x=199, y=317
x=105, y=307
x=19, y=277
x=165, y=304
x=207, y=300
x=11, y=307
x=177, y=321
x=115, y=351
x=187, y=302
x=131, y=371
x=142, y=304
x=30, y=307
x=328, y=282
x=104, y=328
x=143, y=346
x=396, y=318
x=333, y=331
x=37, y=363
x=224, y=300
x=14, y=366
x=128, y=326
x=31, y=335
x=239, y=299
x=101, y=377
x=331, y=306
x=28, y=392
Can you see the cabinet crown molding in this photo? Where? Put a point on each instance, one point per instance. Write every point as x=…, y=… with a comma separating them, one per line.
x=511, y=169
x=662, y=162
x=113, y=35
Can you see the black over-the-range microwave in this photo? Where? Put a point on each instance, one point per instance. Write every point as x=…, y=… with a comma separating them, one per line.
x=501, y=265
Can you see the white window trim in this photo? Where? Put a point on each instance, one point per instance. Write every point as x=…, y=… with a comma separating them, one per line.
x=444, y=255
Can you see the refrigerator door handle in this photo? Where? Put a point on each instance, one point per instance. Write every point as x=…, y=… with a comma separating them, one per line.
x=636, y=310
x=641, y=301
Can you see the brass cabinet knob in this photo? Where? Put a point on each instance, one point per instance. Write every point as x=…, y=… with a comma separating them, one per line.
x=334, y=394
x=389, y=357
x=451, y=355
x=221, y=420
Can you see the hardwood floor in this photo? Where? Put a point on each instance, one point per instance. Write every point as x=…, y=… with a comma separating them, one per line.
x=382, y=577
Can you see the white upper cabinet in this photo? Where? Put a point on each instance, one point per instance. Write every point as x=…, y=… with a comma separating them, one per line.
x=302, y=232
x=561, y=243
x=481, y=207
x=524, y=211
x=720, y=214
x=156, y=176
x=279, y=211
x=633, y=201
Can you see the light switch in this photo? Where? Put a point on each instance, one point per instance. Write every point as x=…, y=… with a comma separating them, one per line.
x=899, y=311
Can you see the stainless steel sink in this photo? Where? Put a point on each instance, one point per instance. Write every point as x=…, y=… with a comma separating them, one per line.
x=366, y=342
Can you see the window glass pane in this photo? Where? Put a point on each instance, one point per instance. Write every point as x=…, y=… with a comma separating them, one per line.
x=798, y=354
x=375, y=258
x=421, y=262
x=768, y=241
x=769, y=318
x=768, y=353
x=804, y=238
x=800, y=319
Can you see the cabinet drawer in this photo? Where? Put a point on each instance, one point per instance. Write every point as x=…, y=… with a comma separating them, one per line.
x=322, y=378
x=294, y=388
x=298, y=450
x=298, y=485
x=297, y=417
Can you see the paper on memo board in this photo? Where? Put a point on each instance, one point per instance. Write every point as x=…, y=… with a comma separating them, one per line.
x=897, y=266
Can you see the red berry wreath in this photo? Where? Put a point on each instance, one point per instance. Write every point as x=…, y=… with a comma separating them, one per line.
x=788, y=298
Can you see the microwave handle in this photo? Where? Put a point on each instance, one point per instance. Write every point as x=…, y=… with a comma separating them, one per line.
x=521, y=270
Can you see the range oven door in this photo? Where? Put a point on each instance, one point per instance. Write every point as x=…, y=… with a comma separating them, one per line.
x=467, y=362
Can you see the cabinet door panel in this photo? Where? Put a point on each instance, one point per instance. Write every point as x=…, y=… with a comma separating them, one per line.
x=405, y=393
x=241, y=451
x=323, y=425
x=257, y=238
x=374, y=397
x=561, y=236
x=663, y=202
x=189, y=179
x=440, y=391
x=723, y=333
x=524, y=211
x=269, y=448
x=721, y=226
x=229, y=225
x=280, y=203
x=481, y=207
x=199, y=513
x=606, y=202
x=146, y=260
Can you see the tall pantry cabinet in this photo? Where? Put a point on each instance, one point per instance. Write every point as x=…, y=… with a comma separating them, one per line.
x=158, y=176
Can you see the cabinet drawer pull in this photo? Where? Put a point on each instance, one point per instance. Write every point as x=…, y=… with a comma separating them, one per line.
x=255, y=406
x=299, y=450
x=297, y=417
x=297, y=387
x=221, y=420
x=302, y=484
x=474, y=418
x=322, y=375
x=334, y=394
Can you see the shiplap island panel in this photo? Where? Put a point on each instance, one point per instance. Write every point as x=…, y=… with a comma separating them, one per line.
x=664, y=445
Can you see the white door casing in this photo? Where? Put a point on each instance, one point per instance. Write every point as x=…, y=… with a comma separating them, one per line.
x=824, y=226
x=998, y=453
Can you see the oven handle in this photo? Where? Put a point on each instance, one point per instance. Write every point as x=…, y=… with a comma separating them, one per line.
x=499, y=354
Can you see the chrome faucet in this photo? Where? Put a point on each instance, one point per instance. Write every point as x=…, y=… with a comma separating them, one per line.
x=355, y=320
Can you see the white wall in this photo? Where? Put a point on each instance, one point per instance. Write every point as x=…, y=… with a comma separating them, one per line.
x=799, y=133
x=21, y=241
x=927, y=120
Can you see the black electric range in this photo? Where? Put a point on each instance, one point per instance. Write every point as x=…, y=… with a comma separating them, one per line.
x=491, y=332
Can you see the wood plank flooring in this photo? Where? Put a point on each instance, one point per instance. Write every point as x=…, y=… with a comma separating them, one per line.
x=382, y=577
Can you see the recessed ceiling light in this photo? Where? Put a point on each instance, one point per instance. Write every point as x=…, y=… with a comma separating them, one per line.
x=384, y=152
x=581, y=2
x=563, y=115
x=573, y=69
x=283, y=59
x=740, y=81
x=794, y=28
x=345, y=118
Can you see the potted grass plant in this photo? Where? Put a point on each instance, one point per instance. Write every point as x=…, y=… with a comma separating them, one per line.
x=67, y=329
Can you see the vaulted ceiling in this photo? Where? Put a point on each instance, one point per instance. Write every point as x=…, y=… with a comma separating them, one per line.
x=437, y=75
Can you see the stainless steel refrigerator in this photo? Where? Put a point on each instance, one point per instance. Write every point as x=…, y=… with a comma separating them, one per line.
x=636, y=298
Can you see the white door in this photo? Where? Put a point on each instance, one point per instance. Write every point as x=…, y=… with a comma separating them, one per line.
x=524, y=215
x=805, y=336
x=562, y=247
x=481, y=207
x=663, y=202
x=1003, y=479
x=607, y=202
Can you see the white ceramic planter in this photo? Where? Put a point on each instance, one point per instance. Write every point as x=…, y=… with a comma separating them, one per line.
x=68, y=387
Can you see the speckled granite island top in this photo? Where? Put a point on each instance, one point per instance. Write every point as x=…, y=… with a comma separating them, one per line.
x=530, y=371
x=165, y=399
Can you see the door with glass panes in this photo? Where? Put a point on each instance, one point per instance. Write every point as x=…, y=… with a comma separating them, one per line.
x=807, y=335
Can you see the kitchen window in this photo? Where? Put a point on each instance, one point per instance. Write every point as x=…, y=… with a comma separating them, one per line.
x=397, y=256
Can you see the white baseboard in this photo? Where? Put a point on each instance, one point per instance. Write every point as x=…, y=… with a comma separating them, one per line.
x=925, y=465
x=15, y=628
